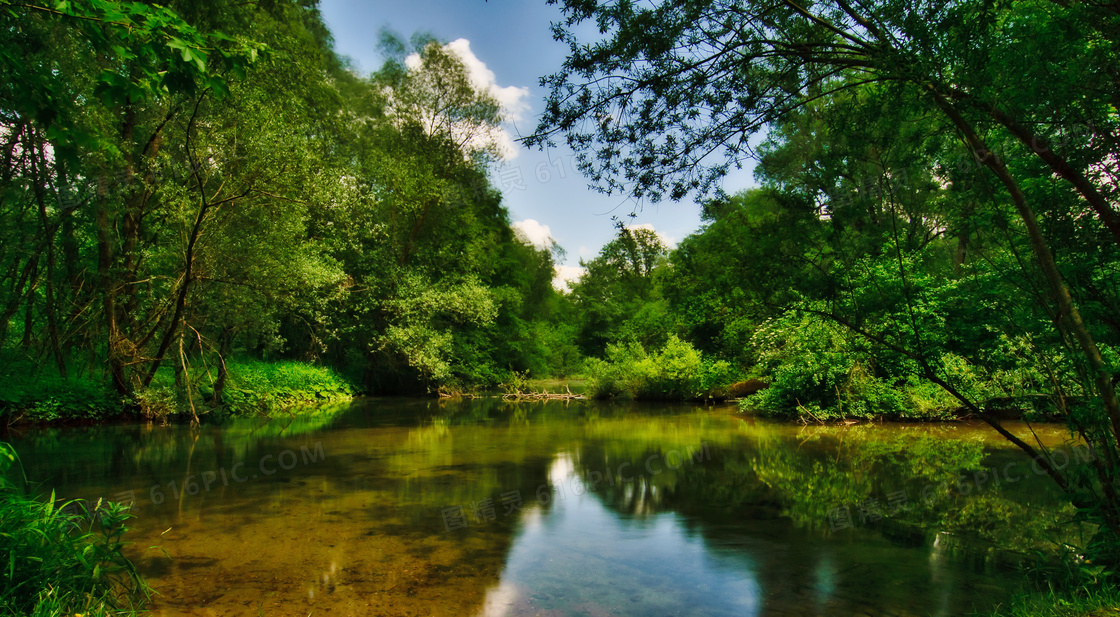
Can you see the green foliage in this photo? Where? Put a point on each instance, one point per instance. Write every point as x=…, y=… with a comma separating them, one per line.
x=675, y=372
x=423, y=320
x=267, y=387
x=1087, y=601
x=615, y=301
x=53, y=398
x=64, y=558
x=956, y=193
x=818, y=371
x=40, y=396
x=164, y=55
x=725, y=277
x=162, y=402
x=518, y=383
x=217, y=183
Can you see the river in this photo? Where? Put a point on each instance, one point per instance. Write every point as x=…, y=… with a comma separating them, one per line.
x=481, y=507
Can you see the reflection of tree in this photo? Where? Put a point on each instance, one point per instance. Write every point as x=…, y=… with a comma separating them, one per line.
x=761, y=501
x=72, y=456
x=905, y=485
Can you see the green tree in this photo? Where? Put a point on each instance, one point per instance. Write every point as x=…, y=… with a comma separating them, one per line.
x=734, y=272
x=618, y=287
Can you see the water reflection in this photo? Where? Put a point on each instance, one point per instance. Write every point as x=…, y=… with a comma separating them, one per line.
x=583, y=558
x=558, y=509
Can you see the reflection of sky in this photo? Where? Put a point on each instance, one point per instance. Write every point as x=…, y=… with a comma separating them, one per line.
x=581, y=557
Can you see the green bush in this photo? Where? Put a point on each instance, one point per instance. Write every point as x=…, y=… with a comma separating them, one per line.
x=62, y=558
x=815, y=372
x=160, y=402
x=603, y=378
x=252, y=387
x=676, y=372
x=41, y=395
x=818, y=370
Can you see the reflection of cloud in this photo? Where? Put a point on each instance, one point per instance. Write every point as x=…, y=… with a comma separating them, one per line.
x=534, y=233
x=513, y=99
x=565, y=276
x=500, y=600
x=561, y=469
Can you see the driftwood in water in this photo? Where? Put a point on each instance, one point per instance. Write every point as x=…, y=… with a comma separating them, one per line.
x=543, y=395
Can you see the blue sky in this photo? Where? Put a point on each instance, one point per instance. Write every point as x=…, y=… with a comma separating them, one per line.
x=512, y=39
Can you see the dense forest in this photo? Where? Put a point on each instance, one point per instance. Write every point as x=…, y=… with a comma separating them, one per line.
x=205, y=209
x=192, y=186
x=187, y=188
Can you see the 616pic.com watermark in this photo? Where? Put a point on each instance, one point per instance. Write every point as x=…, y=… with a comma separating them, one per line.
x=204, y=481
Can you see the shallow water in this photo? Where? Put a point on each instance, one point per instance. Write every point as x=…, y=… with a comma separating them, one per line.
x=406, y=507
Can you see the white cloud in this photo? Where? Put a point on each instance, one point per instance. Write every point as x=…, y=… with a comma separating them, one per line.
x=513, y=99
x=565, y=276
x=585, y=252
x=534, y=233
x=669, y=242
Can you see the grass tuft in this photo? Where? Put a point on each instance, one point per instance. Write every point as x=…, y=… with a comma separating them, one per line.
x=62, y=558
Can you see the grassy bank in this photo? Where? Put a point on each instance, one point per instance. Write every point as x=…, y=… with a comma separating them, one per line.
x=37, y=395
x=251, y=387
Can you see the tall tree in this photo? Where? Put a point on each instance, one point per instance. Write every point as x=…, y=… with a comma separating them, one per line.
x=619, y=286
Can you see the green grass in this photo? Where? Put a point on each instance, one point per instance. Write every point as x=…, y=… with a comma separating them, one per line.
x=256, y=386
x=253, y=387
x=37, y=394
x=62, y=558
x=1103, y=601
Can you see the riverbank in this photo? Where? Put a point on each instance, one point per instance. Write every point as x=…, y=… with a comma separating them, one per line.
x=65, y=558
x=249, y=387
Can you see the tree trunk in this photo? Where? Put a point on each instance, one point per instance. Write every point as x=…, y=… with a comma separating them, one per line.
x=115, y=358
x=224, y=343
x=1068, y=311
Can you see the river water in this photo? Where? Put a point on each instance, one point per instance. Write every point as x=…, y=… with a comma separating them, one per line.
x=481, y=507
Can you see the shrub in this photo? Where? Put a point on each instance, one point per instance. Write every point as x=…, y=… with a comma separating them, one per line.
x=160, y=402
x=675, y=372
x=817, y=369
x=602, y=378
x=255, y=386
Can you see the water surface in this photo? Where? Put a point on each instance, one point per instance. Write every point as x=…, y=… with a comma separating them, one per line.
x=407, y=507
